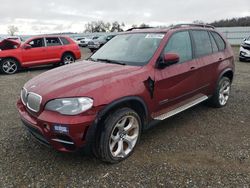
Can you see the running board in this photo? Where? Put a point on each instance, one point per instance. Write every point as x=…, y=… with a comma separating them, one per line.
x=63, y=141
x=181, y=108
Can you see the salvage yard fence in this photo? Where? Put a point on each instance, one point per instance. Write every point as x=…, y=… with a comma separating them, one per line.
x=235, y=35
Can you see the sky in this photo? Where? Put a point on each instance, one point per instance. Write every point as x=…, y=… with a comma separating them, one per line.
x=52, y=16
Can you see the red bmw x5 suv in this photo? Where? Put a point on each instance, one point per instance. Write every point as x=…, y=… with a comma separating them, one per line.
x=139, y=77
x=37, y=51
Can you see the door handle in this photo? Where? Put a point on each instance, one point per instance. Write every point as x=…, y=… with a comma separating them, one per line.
x=220, y=59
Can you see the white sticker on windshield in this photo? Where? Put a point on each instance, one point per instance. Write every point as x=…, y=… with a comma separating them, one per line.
x=154, y=36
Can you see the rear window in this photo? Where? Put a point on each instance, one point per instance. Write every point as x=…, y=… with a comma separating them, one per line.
x=202, y=43
x=214, y=45
x=220, y=42
x=64, y=41
x=53, y=41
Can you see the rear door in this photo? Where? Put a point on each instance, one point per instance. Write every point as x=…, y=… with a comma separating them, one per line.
x=54, y=49
x=208, y=56
x=36, y=54
x=176, y=84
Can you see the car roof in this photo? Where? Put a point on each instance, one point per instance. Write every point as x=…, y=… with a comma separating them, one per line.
x=166, y=29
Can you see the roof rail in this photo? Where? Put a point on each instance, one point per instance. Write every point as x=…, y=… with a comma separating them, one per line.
x=194, y=25
x=133, y=28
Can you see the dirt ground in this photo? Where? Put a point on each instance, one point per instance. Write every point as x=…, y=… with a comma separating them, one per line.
x=201, y=147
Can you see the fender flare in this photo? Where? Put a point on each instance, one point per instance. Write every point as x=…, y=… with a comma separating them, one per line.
x=93, y=133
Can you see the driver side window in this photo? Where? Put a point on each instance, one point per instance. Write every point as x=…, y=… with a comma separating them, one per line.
x=37, y=43
x=180, y=43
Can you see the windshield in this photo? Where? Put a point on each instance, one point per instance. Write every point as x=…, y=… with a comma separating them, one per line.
x=132, y=49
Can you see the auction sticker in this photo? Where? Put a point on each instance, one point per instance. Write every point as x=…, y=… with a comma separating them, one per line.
x=154, y=36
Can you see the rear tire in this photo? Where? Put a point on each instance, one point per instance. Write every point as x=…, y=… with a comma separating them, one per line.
x=9, y=66
x=68, y=58
x=222, y=93
x=120, y=135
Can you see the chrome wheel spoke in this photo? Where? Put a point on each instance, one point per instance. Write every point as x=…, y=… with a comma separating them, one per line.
x=224, y=93
x=124, y=136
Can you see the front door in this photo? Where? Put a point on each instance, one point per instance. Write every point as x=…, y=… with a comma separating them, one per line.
x=176, y=83
x=36, y=54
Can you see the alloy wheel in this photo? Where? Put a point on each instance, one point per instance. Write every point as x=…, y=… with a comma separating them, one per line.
x=124, y=136
x=68, y=59
x=9, y=67
x=224, y=92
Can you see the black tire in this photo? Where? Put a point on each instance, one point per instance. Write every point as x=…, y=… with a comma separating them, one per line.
x=110, y=127
x=241, y=59
x=9, y=66
x=68, y=58
x=216, y=100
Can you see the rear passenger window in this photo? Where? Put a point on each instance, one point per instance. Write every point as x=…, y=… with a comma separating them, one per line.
x=220, y=42
x=64, y=41
x=214, y=45
x=202, y=43
x=180, y=43
x=53, y=41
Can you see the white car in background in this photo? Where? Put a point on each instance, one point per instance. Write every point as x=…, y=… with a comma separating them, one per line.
x=84, y=42
x=245, y=50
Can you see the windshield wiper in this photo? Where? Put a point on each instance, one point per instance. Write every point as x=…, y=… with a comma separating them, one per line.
x=91, y=59
x=111, y=61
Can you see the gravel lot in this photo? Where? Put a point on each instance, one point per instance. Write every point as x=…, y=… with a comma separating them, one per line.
x=201, y=147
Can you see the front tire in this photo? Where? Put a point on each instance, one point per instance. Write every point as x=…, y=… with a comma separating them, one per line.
x=120, y=135
x=222, y=93
x=9, y=66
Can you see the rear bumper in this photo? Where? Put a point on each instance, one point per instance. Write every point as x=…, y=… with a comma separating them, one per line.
x=42, y=128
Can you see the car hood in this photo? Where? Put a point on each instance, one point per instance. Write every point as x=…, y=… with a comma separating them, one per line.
x=76, y=79
x=7, y=44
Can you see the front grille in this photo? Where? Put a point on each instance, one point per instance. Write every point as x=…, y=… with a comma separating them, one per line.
x=34, y=101
x=247, y=47
x=24, y=96
x=91, y=43
x=31, y=100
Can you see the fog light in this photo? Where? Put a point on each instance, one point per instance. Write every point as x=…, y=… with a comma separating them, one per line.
x=61, y=129
x=243, y=53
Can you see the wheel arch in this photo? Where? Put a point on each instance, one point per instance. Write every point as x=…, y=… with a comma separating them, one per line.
x=68, y=52
x=93, y=134
x=11, y=57
x=227, y=73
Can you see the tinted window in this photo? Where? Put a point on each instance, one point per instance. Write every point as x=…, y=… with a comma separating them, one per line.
x=202, y=43
x=53, y=41
x=64, y=41
x=220, y=42
x=36, y=43
x=180, y=43
x=214, y=45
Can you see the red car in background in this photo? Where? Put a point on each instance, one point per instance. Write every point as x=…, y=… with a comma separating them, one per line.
x=40, y=50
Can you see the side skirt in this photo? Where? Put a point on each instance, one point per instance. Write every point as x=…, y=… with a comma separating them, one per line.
x=181, y=108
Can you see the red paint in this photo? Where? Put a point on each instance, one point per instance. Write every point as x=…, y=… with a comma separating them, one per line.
x=106, y=83
x=28, y=57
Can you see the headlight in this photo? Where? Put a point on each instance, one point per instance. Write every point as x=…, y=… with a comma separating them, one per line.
x=70, y=106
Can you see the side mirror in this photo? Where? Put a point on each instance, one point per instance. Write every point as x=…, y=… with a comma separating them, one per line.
x=171, y=58
x=27, y=46
x=168, y=59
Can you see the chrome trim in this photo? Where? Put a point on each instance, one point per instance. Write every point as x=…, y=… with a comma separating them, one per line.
x=40, y=100
x=62, y=141
x=26, y=92
x=181, y=108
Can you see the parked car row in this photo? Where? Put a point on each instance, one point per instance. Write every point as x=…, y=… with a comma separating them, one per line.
x=37, y=51
x=95, y=42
